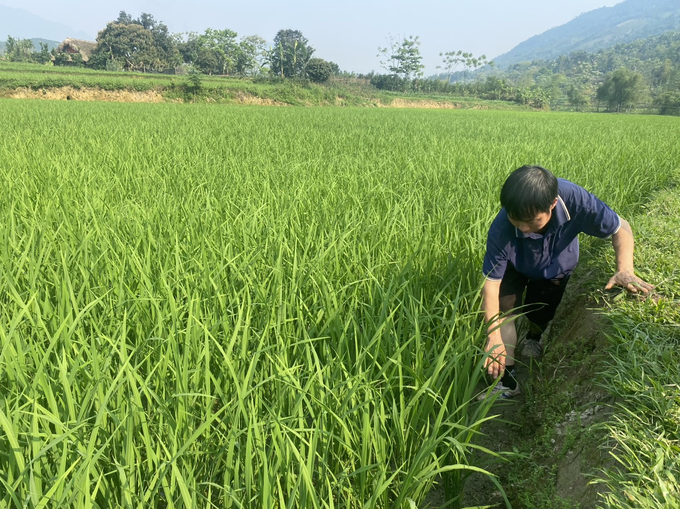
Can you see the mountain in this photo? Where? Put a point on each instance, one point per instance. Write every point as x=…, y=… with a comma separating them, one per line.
x=598, y=29
x=21, y=24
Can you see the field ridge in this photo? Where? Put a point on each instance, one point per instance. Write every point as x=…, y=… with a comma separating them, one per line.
x=587, y=430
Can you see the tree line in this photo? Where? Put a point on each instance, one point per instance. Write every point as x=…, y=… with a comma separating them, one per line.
x=646, y=71
x=23, y=50
x=145, y=44
x=616, y=79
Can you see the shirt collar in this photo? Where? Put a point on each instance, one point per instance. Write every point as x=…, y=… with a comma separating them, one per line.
x=560, y=215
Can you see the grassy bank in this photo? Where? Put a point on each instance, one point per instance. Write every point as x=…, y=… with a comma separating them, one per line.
x=49, y=82
x=643, y=370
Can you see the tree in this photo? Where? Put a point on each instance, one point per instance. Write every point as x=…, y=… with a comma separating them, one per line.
x=165, y=43
x=402, y=58
x=222, y=44
x=62, y=59
x=251, y=55
x=497, y=88
x=452, y=59
x=668, y=100
x=124, y=18
x=213, y=52
x=19, y=50
x=621, y=88
x=136, y=44
x=577, y=98
x=290, y=54
x=131, y=45
x=319, y=70
x=195, y=79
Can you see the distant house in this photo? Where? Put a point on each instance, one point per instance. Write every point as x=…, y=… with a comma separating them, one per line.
x=76, y=46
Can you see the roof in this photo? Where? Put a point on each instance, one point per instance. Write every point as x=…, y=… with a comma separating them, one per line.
x=85, y=48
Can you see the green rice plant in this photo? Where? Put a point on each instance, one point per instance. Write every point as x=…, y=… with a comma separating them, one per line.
x=252, y=307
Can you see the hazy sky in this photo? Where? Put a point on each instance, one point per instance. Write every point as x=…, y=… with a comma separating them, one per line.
x=348, y=32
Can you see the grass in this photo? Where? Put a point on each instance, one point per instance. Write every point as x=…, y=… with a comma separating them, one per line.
x=643, y=373
x=40, y=79
x=252, y=307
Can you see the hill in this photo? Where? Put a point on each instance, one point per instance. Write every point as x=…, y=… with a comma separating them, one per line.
x=598, y=29
x=656, y=58
x=21, y=24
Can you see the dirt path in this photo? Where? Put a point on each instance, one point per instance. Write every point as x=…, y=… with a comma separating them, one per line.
x=550, y=425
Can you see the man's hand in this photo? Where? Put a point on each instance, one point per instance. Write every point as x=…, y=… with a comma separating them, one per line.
x=624, y=244
x=495, y=363
x=629, y=281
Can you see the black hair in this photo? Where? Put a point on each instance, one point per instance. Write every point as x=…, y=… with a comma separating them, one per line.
x=528, y=191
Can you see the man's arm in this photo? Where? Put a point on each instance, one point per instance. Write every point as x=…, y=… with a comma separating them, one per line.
x=624, y=245
x=495, y=363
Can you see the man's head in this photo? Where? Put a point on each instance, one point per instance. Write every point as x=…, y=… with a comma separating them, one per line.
x=528, y=196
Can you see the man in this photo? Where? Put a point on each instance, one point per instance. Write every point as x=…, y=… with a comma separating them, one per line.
x=532, y=246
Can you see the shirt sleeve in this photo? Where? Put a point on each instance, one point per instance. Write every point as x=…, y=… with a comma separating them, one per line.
x=496, y=257
x=597, y=219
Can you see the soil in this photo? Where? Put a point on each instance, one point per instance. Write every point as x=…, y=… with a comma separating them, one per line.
x=87, y=94
x=152, y=96
x=552, y=424
x=425, y=103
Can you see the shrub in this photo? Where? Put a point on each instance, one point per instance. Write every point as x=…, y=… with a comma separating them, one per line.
x=389, y=82
x=319, y=70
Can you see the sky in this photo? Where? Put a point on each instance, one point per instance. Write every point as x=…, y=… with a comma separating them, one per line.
x=348, y=33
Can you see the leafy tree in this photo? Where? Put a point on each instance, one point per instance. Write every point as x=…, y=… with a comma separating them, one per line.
x=450, y=61
x=131, y=45
x=99, y=61
x=221, y=44
x=62, y=59
x=290, y=54
x=577, y=98
x=217, y=52
x=44, y=55
x=195, y=79
x=195, y=53
x=124, y=18
x=390, y=82
x=621, y=88
x=251, y=55
x=535, y=97
x=319, y=70
x=662, y=75
x=402, y=58
x=147, y=21
x=137, y=43
x=497, y=88
x=668, y=102
x=19, y=50
x=474, y=63
x=165, y=43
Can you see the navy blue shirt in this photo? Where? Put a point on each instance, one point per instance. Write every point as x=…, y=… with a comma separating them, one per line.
x=554, y=253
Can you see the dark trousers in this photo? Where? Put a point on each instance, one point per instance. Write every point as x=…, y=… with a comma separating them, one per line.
x=540, y=301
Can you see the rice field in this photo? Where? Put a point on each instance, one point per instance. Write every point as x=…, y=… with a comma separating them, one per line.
x=261, y=307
